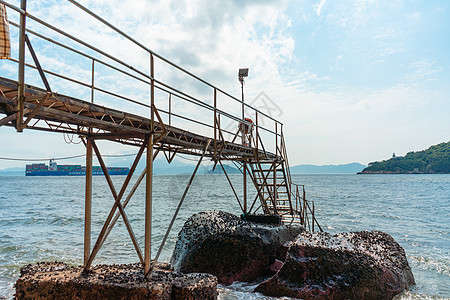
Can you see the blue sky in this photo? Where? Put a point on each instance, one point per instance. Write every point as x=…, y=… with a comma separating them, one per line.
x=353, y=81
x=373, y=45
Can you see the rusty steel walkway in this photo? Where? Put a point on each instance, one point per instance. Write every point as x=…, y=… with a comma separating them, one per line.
x=187, y=116
x=59, y=113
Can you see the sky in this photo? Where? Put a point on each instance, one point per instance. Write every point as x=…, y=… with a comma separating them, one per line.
x=351, y=81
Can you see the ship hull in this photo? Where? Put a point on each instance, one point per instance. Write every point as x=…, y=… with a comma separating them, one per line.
x=73, y=173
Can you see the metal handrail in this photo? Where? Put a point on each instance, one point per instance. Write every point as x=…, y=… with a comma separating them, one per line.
x=162, y=58
x=197, y=101
x=305, y=207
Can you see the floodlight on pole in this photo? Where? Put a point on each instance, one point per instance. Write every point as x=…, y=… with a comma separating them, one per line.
x=242, y=73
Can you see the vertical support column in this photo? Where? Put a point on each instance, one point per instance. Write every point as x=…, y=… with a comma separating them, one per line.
x=215, y=125
x=88, y=203
x=21, y=87
x=148, y=207
x=275, y=165
x=245, y=187
x=275, y=182
x=149, y=178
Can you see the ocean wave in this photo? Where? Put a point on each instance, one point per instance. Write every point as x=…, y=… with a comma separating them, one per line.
x=441, y=266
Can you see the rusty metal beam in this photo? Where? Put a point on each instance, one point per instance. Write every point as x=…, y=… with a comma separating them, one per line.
x=8, y=119
x=36, y=109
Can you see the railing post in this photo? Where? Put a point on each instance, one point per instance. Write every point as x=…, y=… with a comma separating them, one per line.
x=21, y=87
x=92, y=81
x=256, y=133
x=276, y=139
x=149, y=178
x=313, y=218
x=170, y=109
x=305, y=212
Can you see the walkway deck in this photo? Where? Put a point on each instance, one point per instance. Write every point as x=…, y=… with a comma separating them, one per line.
x=65, y=114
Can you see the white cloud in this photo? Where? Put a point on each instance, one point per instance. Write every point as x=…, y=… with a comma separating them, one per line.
x=424, y=69
x=319, y=7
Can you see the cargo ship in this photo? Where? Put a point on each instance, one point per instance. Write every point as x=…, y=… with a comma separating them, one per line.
x=53, y=169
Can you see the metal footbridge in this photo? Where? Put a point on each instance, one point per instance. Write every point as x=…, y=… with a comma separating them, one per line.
x=147, y=109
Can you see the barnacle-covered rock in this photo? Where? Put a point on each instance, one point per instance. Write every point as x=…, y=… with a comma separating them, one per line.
x=222, y=244
x=57, y=280
x=354, y=265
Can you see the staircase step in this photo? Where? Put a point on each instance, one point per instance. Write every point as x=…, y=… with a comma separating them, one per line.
x=279, y=207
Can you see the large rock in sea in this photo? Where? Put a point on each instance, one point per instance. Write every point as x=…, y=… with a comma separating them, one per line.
x=57, y=280
x=222, y=244
x=355, y=265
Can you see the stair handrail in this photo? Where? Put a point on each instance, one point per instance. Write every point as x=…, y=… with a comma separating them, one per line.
x=304, y=208
x=288, y=171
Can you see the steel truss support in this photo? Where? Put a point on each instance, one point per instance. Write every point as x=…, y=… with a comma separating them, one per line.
x=117, y=204
x=127, y=200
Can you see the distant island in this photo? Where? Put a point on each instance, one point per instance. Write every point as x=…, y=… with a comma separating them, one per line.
x=351, y=168
x=434, y=160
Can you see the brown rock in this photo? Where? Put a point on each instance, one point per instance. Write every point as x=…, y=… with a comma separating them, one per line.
x=356, y=265
x=59, y=281
x=222, y=244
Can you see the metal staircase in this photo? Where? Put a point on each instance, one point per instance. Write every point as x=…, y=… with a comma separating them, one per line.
x=278, y=195
x=271, y=182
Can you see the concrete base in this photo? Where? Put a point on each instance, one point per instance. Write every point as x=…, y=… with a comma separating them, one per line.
x=57, y=280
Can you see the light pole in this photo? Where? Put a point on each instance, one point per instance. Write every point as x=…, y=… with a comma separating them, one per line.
x=243, y=73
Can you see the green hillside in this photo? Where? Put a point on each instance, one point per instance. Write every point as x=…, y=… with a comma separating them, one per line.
x=434, y=160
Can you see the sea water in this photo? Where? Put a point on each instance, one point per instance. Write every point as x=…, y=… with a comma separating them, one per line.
x=42, y=219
